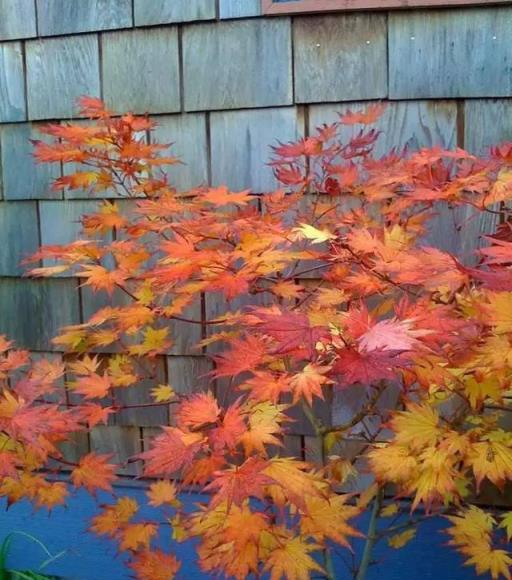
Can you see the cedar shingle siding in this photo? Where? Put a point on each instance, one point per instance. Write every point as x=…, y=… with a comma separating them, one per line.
x=223, y=86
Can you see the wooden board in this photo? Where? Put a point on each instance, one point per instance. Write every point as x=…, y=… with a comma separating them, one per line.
x=237, y=64
x=188, y=374
x=61, y=223
x=135, y=59
x=240, y=145
x=187, y=133
x=412, y=124
x=239, y=8
x=141, y=394
x=487, y=122
x=22, y=177
x=166, y=11
x=19, y=235
x=67, y=17
x=33, y=311
x=59, y=71
x=12, y=83
x=18, y=19
x=340, y=58
x=122, y=442
x=450, y=53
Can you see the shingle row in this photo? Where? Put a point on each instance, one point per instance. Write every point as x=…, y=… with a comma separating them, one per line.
x=256, y=63
x=31, y=18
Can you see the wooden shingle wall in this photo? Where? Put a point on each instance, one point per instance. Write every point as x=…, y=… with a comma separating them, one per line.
x=224, y=83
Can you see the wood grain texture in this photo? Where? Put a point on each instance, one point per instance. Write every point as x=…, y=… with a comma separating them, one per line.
x=412, y=124
x=239, y=8
x=240, y=144
x=19, y=235
x=237, y=64
x=416, y=124
x=74, y=449
x=33, y=311
x=141, y=70
x=187, y=374
x=187, y=133
x=61, y=220
x=450, y=53
x=12, y=83
x=70, y=16
x=166, y=11
x=60, y=223
x=340, y=58
x=140, y=393
x=487, y=122
x=216, y=306
x=22, y=177
x=59, y=70
x=122, y=442
x=186, y=335
x=17, y=19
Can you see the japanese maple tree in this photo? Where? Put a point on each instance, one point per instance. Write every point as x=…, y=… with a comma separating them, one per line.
x=386, y=311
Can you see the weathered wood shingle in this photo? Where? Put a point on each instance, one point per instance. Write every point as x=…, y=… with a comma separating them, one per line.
x=487, y=122
x=188, y=374
x=239, y=8
x=166, y=11
x=187, y=133
x=241, y=145
x=33, y=311
x=122, y=442
x=450, y=53
x=19, y=235
x=140, y=394
x=12, y=83
x=22, y=177
x=413, y=124
x=17, y=19
x=141, y=70
x=69, y=16
x=60, y=222
x=340, y=58
x=237, y=64
x=59, y=70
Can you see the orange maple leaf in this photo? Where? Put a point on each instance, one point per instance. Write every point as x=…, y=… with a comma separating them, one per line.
x=94, y=472
x=154, y=565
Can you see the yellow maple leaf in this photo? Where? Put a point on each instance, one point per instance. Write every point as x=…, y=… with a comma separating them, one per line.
x=492, y=460
x=291, y=560
x=162, y=492
x=500, y=311
x=137, y=536
x=163, y=393
x=416, y=427
x=309, y=232
x=398, y=541
x=327, y=518
x=390, y=510
x=506, y=522
x=155, y=342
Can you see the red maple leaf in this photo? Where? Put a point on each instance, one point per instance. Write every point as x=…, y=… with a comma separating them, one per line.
x=292, y=331
x=170, y=451
x=245, y=355
x=366, y=368
x=237, y=484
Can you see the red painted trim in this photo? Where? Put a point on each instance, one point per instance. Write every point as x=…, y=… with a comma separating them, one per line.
x=311, y=6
